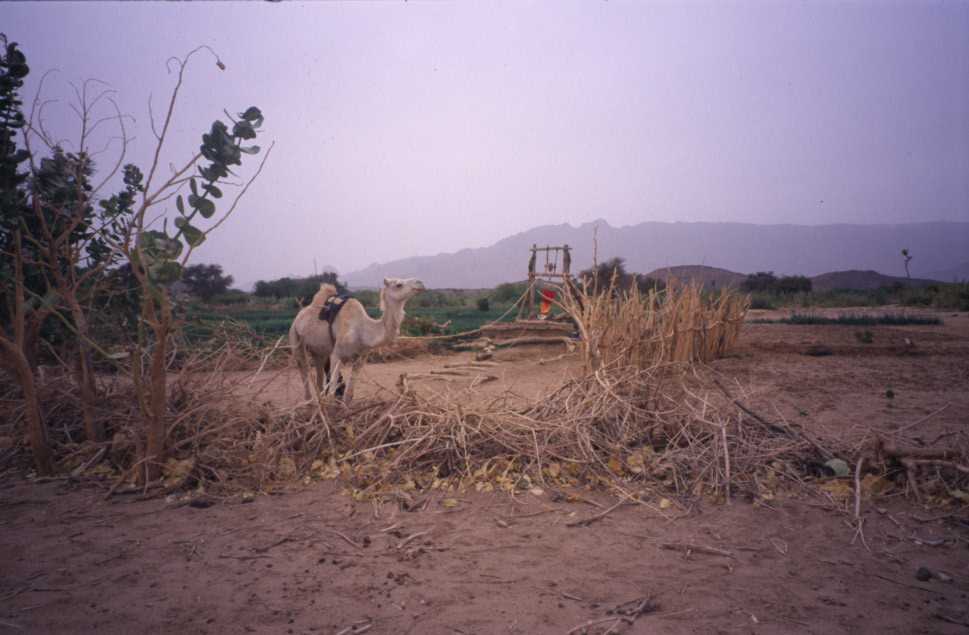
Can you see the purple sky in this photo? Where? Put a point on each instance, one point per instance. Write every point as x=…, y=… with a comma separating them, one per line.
x=412, y=129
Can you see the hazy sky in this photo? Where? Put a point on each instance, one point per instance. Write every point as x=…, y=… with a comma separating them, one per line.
x=414, y=128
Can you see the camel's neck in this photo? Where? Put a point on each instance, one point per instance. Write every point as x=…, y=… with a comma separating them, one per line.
x=384, y=330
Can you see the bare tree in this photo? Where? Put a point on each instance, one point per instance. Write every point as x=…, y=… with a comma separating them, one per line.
x=69, y=236
x=67, y=239
x=13, y=355
x=158, y=258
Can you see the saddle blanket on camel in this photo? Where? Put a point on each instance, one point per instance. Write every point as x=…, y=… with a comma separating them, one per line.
x=331, y=308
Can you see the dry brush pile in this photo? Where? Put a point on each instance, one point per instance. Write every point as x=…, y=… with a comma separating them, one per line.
x=643, y=422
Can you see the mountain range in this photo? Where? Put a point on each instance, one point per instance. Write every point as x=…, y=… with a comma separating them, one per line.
x=939, y=251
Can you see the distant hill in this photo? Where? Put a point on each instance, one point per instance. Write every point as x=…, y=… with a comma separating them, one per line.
x=715, y=278
x=784, y=249
x=958, y=273
x=862, y=280
x=709, y=277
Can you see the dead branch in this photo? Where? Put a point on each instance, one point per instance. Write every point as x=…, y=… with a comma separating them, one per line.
x=585, y=522
x=693, y=548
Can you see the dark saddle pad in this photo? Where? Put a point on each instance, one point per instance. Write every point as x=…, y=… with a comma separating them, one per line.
x=331, y=308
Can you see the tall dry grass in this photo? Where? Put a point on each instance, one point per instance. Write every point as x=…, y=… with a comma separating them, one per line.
x=678, y=324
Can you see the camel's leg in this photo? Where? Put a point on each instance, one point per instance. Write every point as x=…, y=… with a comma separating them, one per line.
x=353, y=370
x=322, y=364
x=341, y=386
x=299, y=352
x=334, y=379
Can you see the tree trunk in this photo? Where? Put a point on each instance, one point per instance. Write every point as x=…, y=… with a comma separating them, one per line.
x=160, y=319
x=158, y=386
x=14, y=356
x=14, y=353
x=93, y=429
x=32, y=341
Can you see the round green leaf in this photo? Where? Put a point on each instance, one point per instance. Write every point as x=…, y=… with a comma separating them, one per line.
x=251, y=114
x=205, y=207
x=243, y=130
x=193, y=235
x=213, y=190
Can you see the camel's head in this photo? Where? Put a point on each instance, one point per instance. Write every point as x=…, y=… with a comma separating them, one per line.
x=400, y=289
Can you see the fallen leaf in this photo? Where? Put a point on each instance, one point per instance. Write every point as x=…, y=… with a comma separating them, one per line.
x=873, y=485
x=449, y=503
x=838, y=488
x=286, y=467
x=177, y=472
x=958, y=494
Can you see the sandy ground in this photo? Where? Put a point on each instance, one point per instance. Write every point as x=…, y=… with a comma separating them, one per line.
x=313, y=561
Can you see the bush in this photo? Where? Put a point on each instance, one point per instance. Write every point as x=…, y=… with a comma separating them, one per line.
x=417, y=325
x=647, y=284
x=788, y=285
x=437, y=298
x=206, y=281
x=508, y=292
x=368, y=298
x=600, y=277
x=762, y=281
x=484, y=304
x=301, y=288
x=953, y=295
x=761, y=301
x=767, y=282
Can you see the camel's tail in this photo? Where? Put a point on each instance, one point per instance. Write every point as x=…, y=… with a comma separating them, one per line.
x=295, y=342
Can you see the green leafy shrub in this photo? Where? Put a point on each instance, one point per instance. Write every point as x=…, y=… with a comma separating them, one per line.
x=301, y=288
x=508, y=292
x=417, y=325
x=762, y=301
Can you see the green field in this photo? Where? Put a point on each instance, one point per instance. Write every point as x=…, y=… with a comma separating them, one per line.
x=273, y=321
x=954, y=296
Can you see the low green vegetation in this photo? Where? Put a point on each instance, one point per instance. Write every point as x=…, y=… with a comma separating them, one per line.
x=855, y=320
x=302, y=288
x=269, y=312
x=426, y=315
x=765, y=282
x=942, y=296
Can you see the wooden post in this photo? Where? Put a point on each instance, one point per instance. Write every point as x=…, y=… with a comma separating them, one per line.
x=531, y=282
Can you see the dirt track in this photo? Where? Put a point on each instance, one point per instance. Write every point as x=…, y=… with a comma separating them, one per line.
x=73, y=562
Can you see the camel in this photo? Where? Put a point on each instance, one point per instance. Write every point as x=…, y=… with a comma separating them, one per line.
x=355, y=333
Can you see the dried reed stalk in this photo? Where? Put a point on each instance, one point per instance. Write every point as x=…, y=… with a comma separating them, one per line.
x=678, y=324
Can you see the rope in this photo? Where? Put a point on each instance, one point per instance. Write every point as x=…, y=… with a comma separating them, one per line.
x=473, y=331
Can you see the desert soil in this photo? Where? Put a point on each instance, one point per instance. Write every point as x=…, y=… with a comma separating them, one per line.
x=311, y=560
